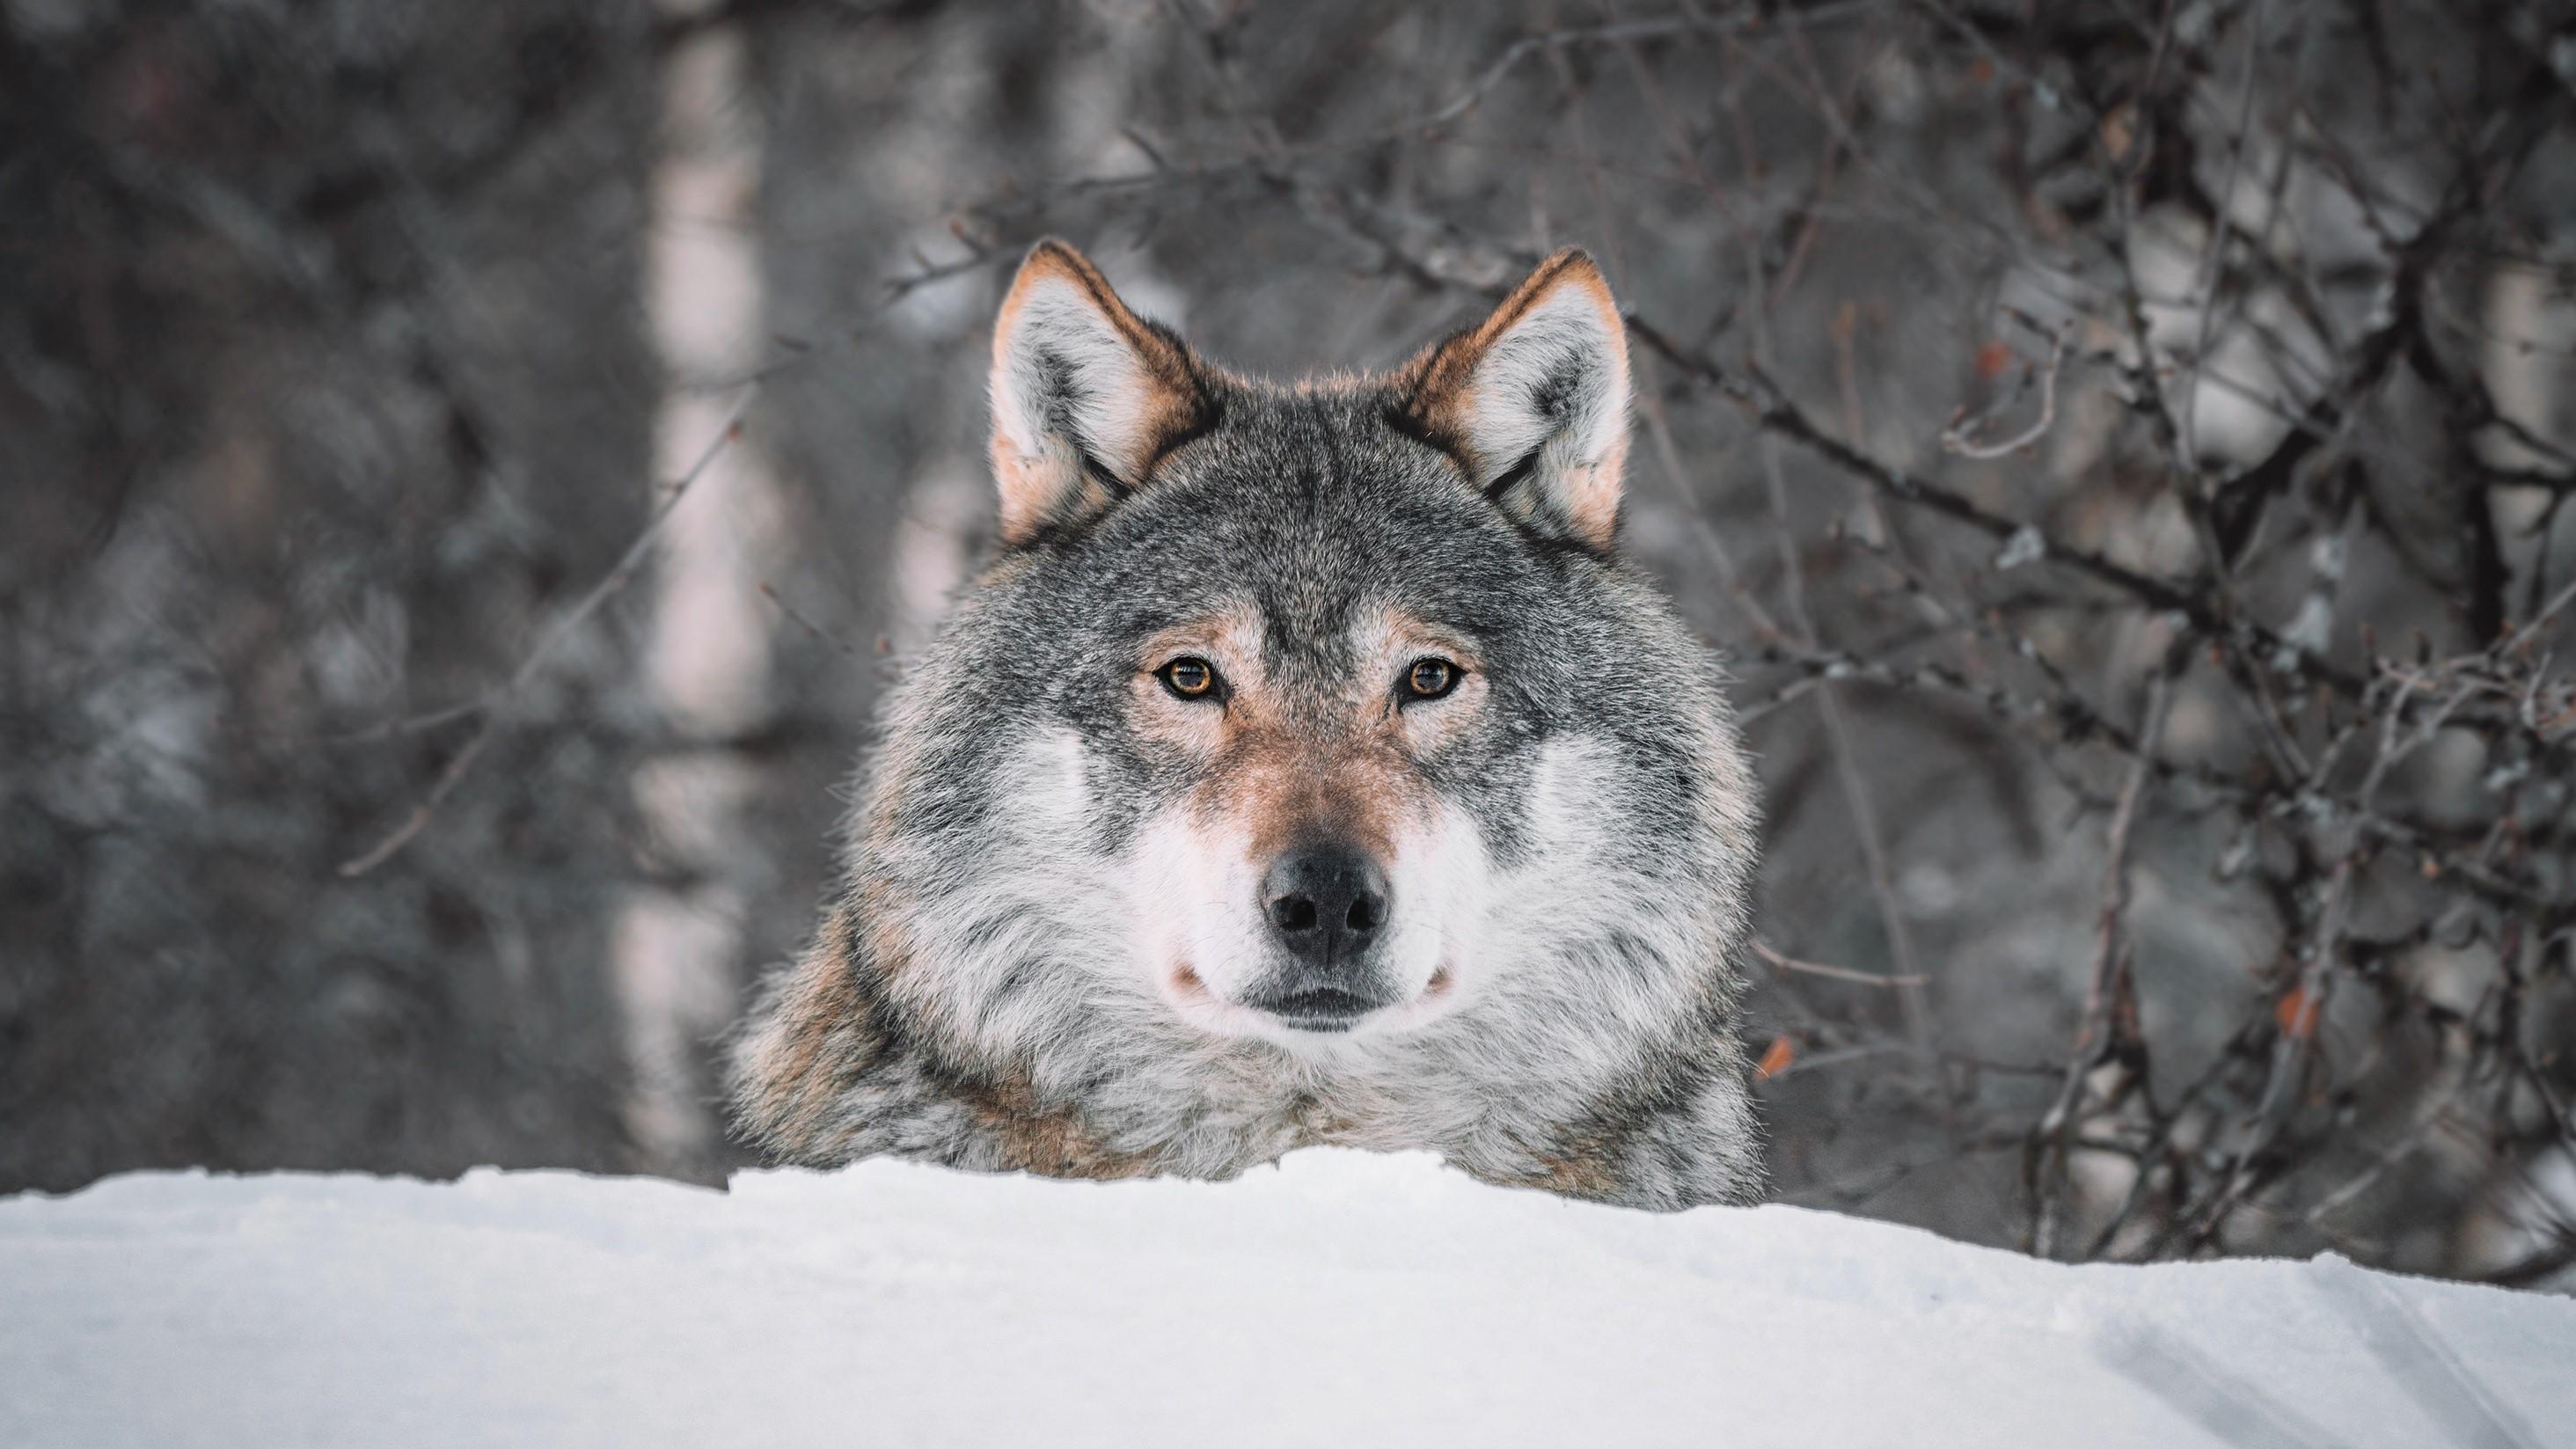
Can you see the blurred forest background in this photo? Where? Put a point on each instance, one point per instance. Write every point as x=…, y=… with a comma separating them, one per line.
x=468, y=471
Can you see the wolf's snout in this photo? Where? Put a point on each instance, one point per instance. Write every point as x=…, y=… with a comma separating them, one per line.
x=1327, y=904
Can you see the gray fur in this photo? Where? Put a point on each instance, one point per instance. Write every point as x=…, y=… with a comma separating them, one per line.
x=972, y=998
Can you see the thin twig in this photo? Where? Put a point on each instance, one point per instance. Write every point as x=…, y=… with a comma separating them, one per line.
x=493, y=705
x=1838, y=973
x=1955, y=438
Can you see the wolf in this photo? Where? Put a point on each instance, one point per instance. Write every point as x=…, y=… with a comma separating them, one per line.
x=1307, y=767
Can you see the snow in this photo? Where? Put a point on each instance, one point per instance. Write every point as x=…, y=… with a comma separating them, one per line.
x=1341, y=1297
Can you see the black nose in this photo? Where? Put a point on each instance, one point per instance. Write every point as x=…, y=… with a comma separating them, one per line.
x=1326, y=903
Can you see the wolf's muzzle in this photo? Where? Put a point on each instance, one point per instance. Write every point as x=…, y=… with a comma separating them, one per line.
x=1327, y=905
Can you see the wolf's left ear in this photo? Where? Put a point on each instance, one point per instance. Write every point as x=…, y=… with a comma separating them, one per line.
x=1087, y=396
x=1533, y=401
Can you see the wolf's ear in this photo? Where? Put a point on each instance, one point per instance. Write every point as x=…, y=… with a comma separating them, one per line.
x=1533, y=401
x=1087, y=396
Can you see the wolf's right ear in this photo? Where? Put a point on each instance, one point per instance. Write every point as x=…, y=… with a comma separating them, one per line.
x=1533, y=401
x=1087, y=396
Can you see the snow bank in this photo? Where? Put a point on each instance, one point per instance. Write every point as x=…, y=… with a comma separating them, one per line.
x=1342, y=1298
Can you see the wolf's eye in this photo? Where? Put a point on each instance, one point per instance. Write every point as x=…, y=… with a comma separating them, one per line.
x=1430, y=678
x=1189, y=677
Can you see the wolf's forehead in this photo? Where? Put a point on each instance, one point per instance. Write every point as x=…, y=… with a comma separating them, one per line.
x=1314, y=520
x=1312, y=637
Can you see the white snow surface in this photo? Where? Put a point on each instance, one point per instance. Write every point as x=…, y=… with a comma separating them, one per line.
x=1341, y=1298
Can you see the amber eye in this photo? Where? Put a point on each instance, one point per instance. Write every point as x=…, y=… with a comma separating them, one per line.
x=1430, y=678
x=1189, y=677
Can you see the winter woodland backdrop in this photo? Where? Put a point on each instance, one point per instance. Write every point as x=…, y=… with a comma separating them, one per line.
x=466, y=473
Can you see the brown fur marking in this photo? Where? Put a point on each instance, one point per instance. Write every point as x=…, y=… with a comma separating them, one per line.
x=817, y=1048
x=1031, y=1135
x=1583, y=1172
x=1287, y=769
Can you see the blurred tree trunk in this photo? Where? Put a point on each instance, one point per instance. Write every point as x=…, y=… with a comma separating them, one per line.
x=321, y=397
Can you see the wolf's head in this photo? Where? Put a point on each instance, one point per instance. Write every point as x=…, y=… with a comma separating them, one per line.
x=1303, y=741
